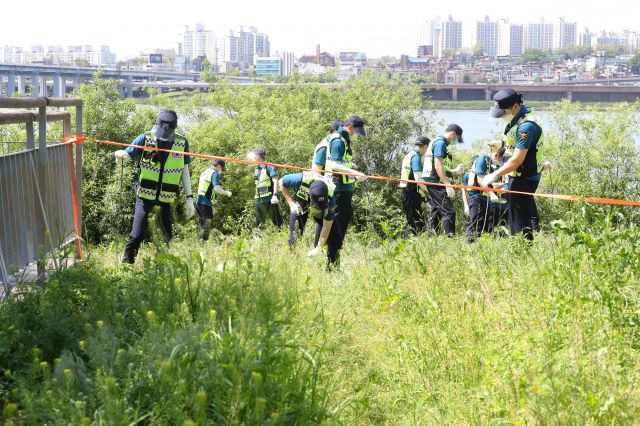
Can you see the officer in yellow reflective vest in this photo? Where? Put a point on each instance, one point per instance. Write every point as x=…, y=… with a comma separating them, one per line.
x=524, y=141
x=208, y=186
x=321, y=151
x=266, y=198
x=438, y=168
x=340, y=160
x=413, y=195
x=159, y=178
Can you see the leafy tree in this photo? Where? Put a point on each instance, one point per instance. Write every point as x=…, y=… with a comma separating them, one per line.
x=634, y=64
x=534, y=55
x=478, y=51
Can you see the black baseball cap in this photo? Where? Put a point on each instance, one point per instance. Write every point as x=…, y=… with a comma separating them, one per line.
x=456, y=129
x=357, y=123
x=220, y=163
x=335, y=125
x=504, y=99
x=422, y=141
x=169, y=117
x=319, y=195
x=260, y=152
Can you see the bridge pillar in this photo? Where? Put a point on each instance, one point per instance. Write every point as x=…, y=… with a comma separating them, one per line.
x=44, y=89
x=22, y=84
x=57, y=86
x=570, y=95
x=129, y=86
x=121, y=90
x=35, y=85
x=11, y=84
x=487, y=94
x=454, y=94
x=76, y=82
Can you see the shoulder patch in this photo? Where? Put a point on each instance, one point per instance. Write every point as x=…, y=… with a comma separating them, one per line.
x=523, y=135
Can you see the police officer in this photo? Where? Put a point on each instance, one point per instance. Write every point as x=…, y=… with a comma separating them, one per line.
x=321, y=151
x=158, y=178
x=266, y=198
x=310, y=194
x=208, y=186
x=340, y=155
x=480, y=211
x=413, y=195
x=438, y=165
x=524, y=141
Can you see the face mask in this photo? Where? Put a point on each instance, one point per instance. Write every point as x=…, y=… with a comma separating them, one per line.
x=507, y=117
x=453, y=142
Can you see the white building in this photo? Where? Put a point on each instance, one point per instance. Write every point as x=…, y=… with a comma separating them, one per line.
x=288, y=62
x=198, y=44
x=238, y=49
x=538, y=35
x=487, y=36
x=56, y=55
x=564, y=34
x=510, y=38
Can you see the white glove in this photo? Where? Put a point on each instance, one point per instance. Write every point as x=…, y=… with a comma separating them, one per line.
x=295, y=209
x=489, y=179
x=451, y=193
x=121, y=155
x=274, y=199
x=547, y=165
x=314, y=252
x=190, y=208
x=458, y=170
x=228, y=194
x=493, y=197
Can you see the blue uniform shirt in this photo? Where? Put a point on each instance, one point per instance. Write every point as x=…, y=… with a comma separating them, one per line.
x=139, y=141
x=416, y=161
x=338, y=148
x=293, y=182
x=215, y=180
x=438, y=149
x=480, y=167
x=271, y=171
x=528, y=134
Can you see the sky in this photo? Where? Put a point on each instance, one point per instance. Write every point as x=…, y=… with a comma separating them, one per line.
x=376, y=28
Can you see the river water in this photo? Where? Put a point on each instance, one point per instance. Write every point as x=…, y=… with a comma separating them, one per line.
x=478, y=125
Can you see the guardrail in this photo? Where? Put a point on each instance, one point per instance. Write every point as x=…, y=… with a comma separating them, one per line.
x=36, y=203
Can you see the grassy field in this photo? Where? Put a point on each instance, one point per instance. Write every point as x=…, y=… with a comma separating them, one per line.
x=242, y=331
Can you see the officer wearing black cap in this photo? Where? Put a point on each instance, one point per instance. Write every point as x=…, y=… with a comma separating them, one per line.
x=266, y=195
x=159, y=178
x=477, y=205
x=523, y=140
x=438, y=165
x=413, y=195
x=311, y=194
x=340, y=160
x=208, y=186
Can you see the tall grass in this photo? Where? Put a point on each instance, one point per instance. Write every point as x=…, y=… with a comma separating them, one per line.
x=425, y=331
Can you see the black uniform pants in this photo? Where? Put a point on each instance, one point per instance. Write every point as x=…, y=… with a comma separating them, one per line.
x=412, y=206
x=141, y=224
x=344, y=213
x=205, y=217
x=264, y=211
x=481, y=217
x=296, y=223
x=443, y=214
x=523, y=213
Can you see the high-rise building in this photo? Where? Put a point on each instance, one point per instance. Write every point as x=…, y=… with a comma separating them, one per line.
x=430, y=36
x=199, y=44
x=288, y=61
x=263, y=47
x=564, y=33
x=585, y=37
x=239, y=48
x=538, y=35
x=451, y=34
x=487, y=36
x=510, y=38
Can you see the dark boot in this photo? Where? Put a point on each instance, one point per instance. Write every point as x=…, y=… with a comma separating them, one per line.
x=129, y=256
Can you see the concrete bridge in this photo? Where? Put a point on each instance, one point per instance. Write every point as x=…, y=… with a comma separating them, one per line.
x=48, y=80
x=544, y=93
